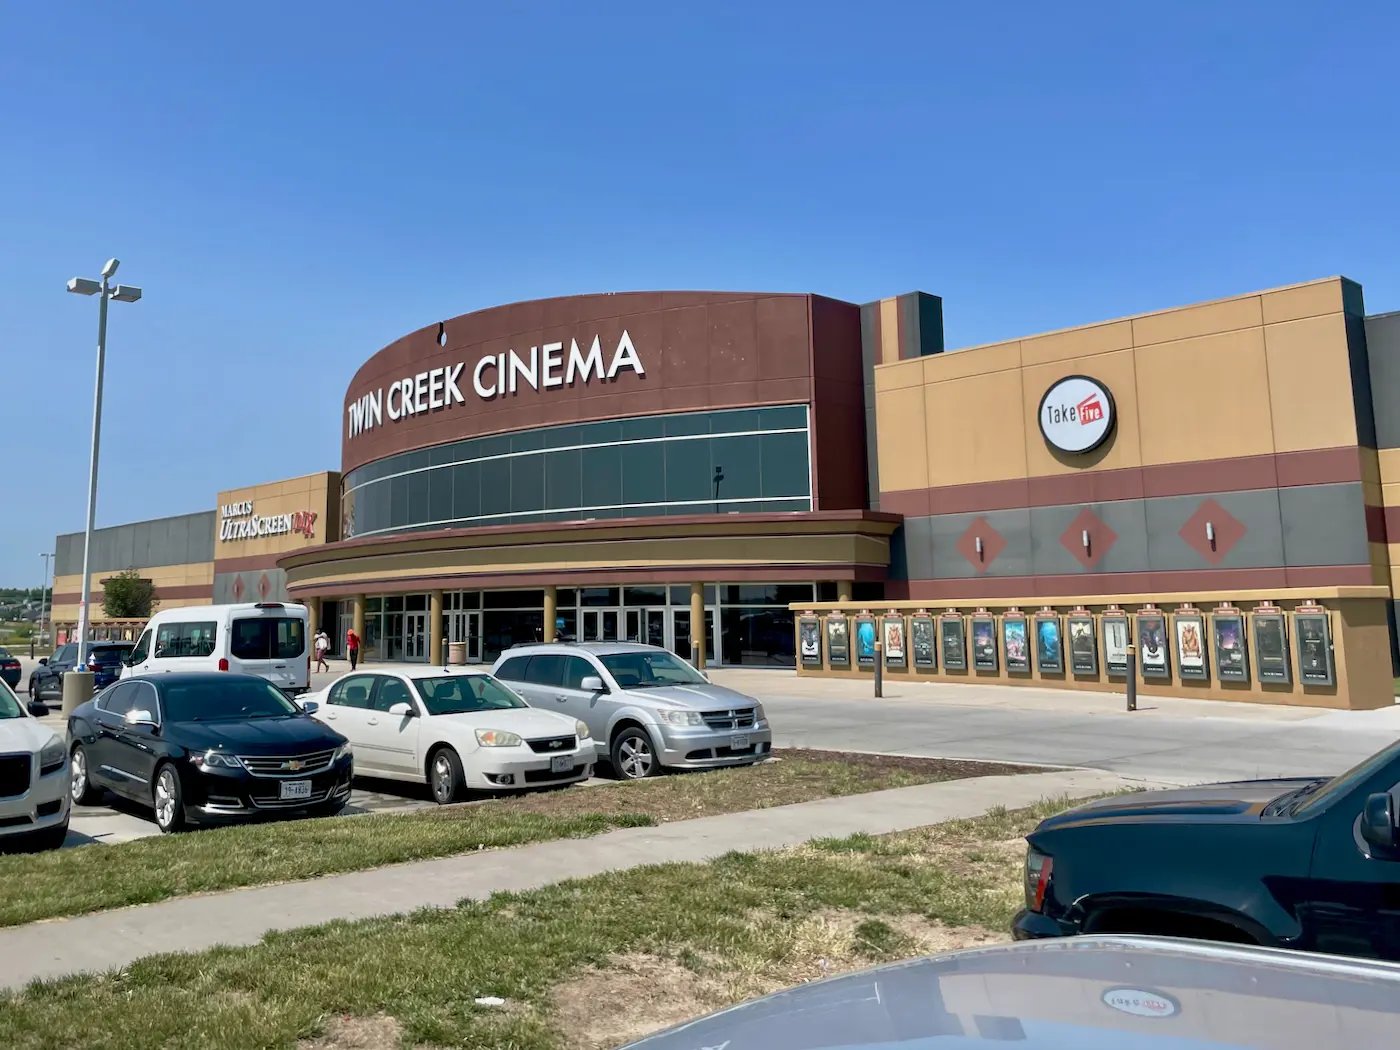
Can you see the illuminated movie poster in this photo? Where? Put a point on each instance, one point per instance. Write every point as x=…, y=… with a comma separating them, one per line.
x=1016, y=644
x=984, y=643
x=1152, y=642
x=893, y=628
x=953, y=643
x=1190, y=646
x=1049, y=647
x=809, y=640
x=925, y=650
x=838, y=641
x=1271, y=648
x=1314, y=648
x=1083, y=648
x=1231, y=648
x=865, y=641
x=1115, y=644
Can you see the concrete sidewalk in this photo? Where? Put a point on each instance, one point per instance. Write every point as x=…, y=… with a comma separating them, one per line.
x=241, y=917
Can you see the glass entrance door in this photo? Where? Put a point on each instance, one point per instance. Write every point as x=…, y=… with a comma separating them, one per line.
x=466, y=627
x=647, y=626
x=415, y=636
x=601, y=625
x=679, y=642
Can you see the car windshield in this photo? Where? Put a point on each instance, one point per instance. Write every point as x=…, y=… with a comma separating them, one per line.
x=1321, y=792
x=461, y=694
x=224, y=700
x=9, y=703
x=650, y=670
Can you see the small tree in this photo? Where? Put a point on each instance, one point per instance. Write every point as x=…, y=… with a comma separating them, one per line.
x=126, y=596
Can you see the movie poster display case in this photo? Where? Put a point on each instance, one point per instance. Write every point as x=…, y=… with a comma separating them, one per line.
x=1270, y=630
x=984, y=641
x=1016, y=641
x=1231, y=644
x=838, y=641
x=1189, y=632
x=1312, y=629
x=1154, y=651
x=1117, y=636
x=896, y=645
x=923, y=638
x=1049, y=644
x=952, y=641
x=809, y=640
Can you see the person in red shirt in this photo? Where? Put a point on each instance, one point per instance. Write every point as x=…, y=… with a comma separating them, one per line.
x=352, y=647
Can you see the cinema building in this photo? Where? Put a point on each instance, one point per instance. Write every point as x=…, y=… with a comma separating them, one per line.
x=786, y=479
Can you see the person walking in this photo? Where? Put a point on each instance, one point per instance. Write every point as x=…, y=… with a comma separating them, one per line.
x=323, y=645
x=352, y=647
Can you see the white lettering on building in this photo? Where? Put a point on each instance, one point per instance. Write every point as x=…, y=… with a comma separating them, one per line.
x=238, y=522
x=495, y=375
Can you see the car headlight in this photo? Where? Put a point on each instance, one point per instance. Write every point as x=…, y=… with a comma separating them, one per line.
x=759, y=715
x=343, y=751
x=581, y=730
x=680, y=717
x=52, y=756
x=216, y=760
x=497, y=738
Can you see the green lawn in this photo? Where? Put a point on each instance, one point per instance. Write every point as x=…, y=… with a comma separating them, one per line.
x=590, y=963
x=91, y=878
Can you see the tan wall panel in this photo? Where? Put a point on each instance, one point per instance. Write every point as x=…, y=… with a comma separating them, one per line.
x=889, y=330
x=315, y=492
x=1190, y=413
x=1117, y=371
x=1305, y=300
x=1190, y=321
x=1310, y=384
x=971, y=436
x=1388, y=461
x=900, y=375
x=902, y=439
x=1077, y=343
x=1390, y=494
x=959, y=364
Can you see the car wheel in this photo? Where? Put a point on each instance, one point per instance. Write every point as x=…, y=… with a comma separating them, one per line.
x=168, y=800
x=80, y=786
x=633, y=756
x=48, y=838
x=445, y=777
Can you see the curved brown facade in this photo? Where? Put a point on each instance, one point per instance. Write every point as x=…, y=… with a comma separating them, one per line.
x=551, y=361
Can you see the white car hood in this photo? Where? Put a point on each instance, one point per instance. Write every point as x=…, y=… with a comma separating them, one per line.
x=529, y=722
x=24, y=734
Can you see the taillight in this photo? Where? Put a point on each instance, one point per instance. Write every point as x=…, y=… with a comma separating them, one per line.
x=1038, y=870
x=223, y=663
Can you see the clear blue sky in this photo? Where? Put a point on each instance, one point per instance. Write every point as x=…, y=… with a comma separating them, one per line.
x=296, y=184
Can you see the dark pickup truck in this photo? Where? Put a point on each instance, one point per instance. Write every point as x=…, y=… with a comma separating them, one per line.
x=1310, y=863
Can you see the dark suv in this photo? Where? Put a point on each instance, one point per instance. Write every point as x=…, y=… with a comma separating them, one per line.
x=104, y=661
x=1308, y=863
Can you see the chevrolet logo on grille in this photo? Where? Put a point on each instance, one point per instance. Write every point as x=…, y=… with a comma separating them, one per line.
x=292, y=764
x=555, y=745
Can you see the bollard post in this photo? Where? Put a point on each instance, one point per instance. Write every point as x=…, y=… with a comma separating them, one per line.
x=879, y=671
x=1132, y=678
x=695, y=654
x=445, y=652
x=31, y=647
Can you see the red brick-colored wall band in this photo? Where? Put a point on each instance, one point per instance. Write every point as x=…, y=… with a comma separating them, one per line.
x=591, y=576
x=1279, y=470
x=1110, y=583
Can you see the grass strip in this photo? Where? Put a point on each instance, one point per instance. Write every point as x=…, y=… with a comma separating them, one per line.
x=96, y=877
x=588, y=963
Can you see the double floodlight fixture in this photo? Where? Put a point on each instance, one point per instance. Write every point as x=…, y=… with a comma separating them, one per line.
x=122, y=293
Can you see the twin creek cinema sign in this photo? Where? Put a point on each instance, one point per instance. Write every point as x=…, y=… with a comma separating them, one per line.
x=545, y=367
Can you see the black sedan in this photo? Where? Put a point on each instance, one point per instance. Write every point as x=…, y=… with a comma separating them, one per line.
x=9, y=669
x=104, y=660
x=1311, y=863
x=207, y=747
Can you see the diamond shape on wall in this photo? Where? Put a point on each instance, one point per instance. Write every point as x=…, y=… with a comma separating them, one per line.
x=993, y=543
x=1101, y=538
x=238, y=588
x=1227, y=528
x=264, y=586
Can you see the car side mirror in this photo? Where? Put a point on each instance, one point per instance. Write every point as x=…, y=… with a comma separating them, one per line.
x=38, y=708
x=310, y=707
x=43, y=661
x=403, y=710
x=1378, y=821
x=138, y=717
x=592, y=684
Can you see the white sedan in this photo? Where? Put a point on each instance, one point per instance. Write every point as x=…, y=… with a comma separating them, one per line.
x=33, y=778
x=456, y=729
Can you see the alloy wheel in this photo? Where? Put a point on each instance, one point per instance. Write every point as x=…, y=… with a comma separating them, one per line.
x=77, y=786
x=636, y=757
x=165, y=798
x=442, y=777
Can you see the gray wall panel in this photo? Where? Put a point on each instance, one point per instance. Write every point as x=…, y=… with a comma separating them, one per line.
x=1325, y=525
x=946, y=529
x=1257, y=510
x=142, y=544
x=918, y=548
x=224, y=589
x=1128, y=552
x=1383, y=354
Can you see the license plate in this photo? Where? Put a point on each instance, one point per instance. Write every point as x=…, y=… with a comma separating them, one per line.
x=561, y=764
x=294, y=789
x=739, y=742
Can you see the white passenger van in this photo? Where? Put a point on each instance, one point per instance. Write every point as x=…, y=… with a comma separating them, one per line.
x=268, y=639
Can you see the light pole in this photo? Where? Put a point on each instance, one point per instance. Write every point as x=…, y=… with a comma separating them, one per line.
x=123, y=293
x=44, y=596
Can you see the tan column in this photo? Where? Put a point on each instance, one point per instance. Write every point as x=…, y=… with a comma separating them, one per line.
x=697, y=621
x=843, y=590
x=551, y=611
x=313, y=620
x=436, y=653
x=358, y=618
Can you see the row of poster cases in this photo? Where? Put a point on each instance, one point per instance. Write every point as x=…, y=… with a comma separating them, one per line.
x=1082, y=644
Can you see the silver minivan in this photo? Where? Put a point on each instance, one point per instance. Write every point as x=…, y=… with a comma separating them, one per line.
x=647, y=709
